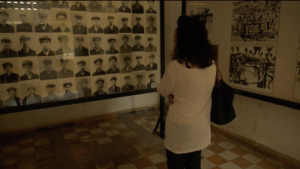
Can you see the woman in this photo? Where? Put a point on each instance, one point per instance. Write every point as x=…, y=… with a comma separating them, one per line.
x=188, y=81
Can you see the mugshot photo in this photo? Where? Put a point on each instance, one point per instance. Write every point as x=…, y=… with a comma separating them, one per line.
x=65, y=68
x=77, y=6
x=97, y=44
x=127, y=82
x=47, y=68
x=79, y=22
x=13, y=95
x=81, y=45
x=151, y=61
x=32, y=93
x=138, y=23
x=139, y=62
x=24, y=19
x=151, y=44
x=124, y=6
x=41, y=5
x=110, y=6
x=97, y=67
x=138, y=7
x=99, y=86
x=126, y=63
x=126, y=43
x=83, y=87
x=152, y=78
x=27, y=45
x=50, y=91
x=94, y=6
x=6, y=21
x=64, y=44
x=56, y=4
x=95, y=23
x=82, y=67
x=28, y=69
x=110, y=23
x=43, y=21
x=112, y=64
x=45, y=44
x=139, y=81
x=9, y=71
x=151, y=7
x=151, y=24
x=8, y=47
x=113, y=43
x=67, y=89
x=61, y=21
x=113, y=84
x=139, y=43
x=125, y=24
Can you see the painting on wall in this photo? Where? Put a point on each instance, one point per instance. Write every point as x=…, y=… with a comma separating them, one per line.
x=252, y=67
x=255, y=21
x=297, y=79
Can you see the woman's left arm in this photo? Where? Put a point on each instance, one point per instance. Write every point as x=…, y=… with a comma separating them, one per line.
x=166, y=85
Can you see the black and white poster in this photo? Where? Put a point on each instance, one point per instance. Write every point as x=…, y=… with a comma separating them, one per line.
x=252, y=67
x=297, y=78
x=255, y=21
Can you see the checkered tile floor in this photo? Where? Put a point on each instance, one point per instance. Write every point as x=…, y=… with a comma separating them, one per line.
x=118, y=144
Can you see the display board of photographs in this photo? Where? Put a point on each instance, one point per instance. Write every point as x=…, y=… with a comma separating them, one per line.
x=60, y=50
x=297, y=79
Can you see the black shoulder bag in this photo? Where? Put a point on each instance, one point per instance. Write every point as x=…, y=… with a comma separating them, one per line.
x=222, y=111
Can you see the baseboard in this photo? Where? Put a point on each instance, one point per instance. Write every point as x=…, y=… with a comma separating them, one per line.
x=18, y=133
x=259, y=147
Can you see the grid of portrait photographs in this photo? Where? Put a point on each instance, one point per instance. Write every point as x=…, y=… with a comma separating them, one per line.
x=59, y=50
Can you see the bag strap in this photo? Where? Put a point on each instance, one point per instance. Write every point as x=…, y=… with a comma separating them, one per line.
x=218, y=75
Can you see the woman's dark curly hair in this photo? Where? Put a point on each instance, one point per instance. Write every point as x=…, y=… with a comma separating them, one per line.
x=192, y=44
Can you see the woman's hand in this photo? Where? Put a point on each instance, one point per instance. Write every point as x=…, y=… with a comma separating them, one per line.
x=171, y=99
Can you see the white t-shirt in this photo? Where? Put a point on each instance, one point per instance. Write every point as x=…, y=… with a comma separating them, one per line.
x=188, y=120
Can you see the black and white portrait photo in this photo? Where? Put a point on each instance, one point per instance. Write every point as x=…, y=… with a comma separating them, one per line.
x=68, y=89
x=81, y=46
x=113, y=61
x=4, y=26
x=96, y=48
x=66, y=69
x=28, y=66
x=126, y=45
x=125, y=24
x=152, y=84
x=139, y=63
x=64, y=49
x=6, y=5
x=50, y=90
x=9, y=72
x=26, y=50
x=96, y=25
x=253, y=67
x=47, y=68
x=109, y=7
x=41, y=5
x=110, y=27
x=100, y=87
x=44, y=20
x=32, y=93
x=7, y=51
x=113, y=86
x=138, y=7
x=45, y=42
x=78, y=6
x=61, y=18
x=151, y=47
x=125, y=6
x=138, y=22
x=151, y=64
x=151, y=24
x=60, y=4
x=127, y=81
x=79, y=23
x=82, y=67
x=126, y=65
x=94, y=6
x=150, y=7
x=24, y=25
x=98, y=66
x=138, y=47
x=140, y=81
x=112, y=42
x=83, y=87
x=13, y=96
x=255, y=21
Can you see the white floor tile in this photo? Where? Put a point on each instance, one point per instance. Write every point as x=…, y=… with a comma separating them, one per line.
x=254, y=167
x=106, y=124
x=151, y=167
x=127, y=166
x=26, y=140
x=207, y=153
x=229, y=165
x=252, y=158
x=105, y=140
x=120, y=126
x=227, y=145
x=206, y=164
x=157, y=158
x=228, y=155
x=113, y=133
x=70, y=136
x=10, y=149
x=80, y=128
x=41, y=142
x=141, y=121
x=96, y=131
